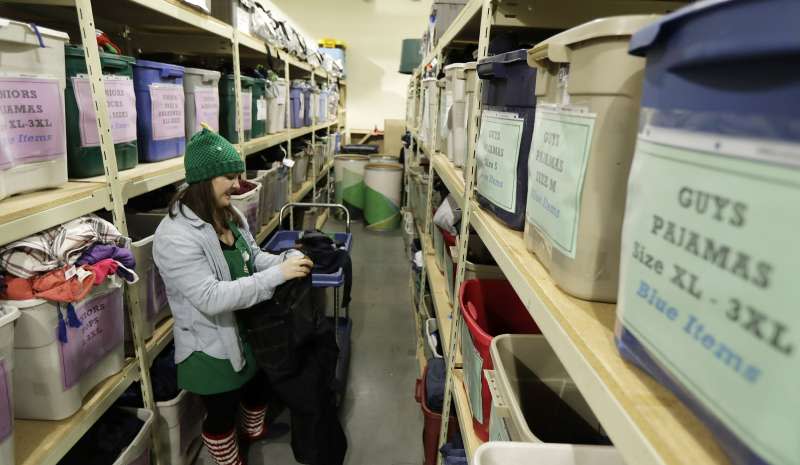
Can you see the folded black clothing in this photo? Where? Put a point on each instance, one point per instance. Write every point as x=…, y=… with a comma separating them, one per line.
x=105, y=440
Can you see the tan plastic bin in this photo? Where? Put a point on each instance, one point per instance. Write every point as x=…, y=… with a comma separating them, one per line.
x=445, y=102
x=430, y=101
x=470, y=102
x=587, y=110
x=534, y=399
x=510, y=453
x=456, y=117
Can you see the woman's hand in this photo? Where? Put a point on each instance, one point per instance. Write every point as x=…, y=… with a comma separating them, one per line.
x=296, y=267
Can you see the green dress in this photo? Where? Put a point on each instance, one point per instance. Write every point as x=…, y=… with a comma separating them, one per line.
x=203, y=374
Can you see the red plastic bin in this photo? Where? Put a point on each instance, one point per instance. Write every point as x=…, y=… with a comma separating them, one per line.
x=490, y=308
x=433, y=424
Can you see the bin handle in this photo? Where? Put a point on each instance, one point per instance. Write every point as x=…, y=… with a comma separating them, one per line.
x=472, y=311
x=290, y=206
x=115, y=64
x=170, y=72
x=492, y=70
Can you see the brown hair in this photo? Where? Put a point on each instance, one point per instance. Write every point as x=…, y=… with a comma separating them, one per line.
x=200, y=199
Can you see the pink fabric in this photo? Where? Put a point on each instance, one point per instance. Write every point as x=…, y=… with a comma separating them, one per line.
x=103, y=269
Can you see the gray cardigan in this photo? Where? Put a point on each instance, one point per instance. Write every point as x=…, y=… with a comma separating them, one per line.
x=199, y=288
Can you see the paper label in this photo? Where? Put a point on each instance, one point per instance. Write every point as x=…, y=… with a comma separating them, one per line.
x=497, y=155
x=206, y=108
x=101, y=331
x=167, y=111
x=261, y=109
x=6, y=409
x=156, y=294
x=121, y=104
x=473, y=371
x=31, y=121
x=709, y=280
x=247, y=109
x=556, y=170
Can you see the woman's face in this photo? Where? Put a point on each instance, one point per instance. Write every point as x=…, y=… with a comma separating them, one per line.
x=223, y=187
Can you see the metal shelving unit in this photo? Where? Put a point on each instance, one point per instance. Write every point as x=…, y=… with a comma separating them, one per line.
x=155, y=26
x=646, y=422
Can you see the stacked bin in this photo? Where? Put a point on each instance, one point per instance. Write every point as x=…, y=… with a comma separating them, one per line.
x=456, y=123
x=227, y=107
x=259, y=108
x=489, y=308
x=430, y=102
x=160, y=122
x=445, y=102
x=504, y=453
x=150, y=288
x=33, y=61
x=534, y=399
x=180, y=425
x=298, y=103
x=52, y=377
x=590, y=168
x=201, y=87
x=276, y=106
x=8, y=315
x=83, y=144
x=717, y=159
x=299, y=170
x=507, y=118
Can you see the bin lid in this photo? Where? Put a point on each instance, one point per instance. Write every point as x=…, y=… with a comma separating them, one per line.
x=506, y=58
x=454, y=67
x=202, y=72
x=76, y=51
x=158, y=65
x=556, y=49
x=386, y=166
x=42, y=30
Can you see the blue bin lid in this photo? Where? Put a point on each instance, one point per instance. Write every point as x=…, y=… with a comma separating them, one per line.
x=507, y=57
x=756, y=27
x=157, y=65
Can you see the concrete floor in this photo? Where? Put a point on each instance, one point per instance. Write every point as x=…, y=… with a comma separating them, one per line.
x=382, y=421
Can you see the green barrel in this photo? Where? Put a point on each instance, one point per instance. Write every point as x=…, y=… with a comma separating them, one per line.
x=227, y=107
x=383, y=183
x=350, y=183
x=85, y=160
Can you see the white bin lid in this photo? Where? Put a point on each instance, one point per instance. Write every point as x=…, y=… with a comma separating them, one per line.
x=4, y=23
x=207, y=73
x=507, y=453
x=556, y=49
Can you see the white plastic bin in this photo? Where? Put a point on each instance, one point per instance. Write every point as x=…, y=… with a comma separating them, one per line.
x=445, y=102
x=276, y=106
x=150, y=287
x=138, y=452
x=34, y=75
x=470, y=101
x=515, y=453
x=8, y=315
x=52, y=377
x=201, y=88
x=456, y=123
x=180, y=424
x=237, y=13
x=249, y=204
x=430, y=102
x=526, y=384
x=299, y=170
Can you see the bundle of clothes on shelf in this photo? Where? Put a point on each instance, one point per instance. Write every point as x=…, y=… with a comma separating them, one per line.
x=64, y=263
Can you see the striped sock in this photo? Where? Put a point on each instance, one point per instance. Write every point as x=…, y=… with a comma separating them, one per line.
x=252, y=422
x=224, y=448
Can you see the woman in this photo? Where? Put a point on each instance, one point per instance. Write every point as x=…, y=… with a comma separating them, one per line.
x=212, y=266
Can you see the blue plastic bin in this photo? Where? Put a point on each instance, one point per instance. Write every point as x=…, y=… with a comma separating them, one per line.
x=297, y=100
x=285, y=240
x=719, y=70
x=509, y=88
x=146, y=73
x=307, y=107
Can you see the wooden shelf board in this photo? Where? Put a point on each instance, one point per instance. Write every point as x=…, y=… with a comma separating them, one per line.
x=263, y=143
x=46, y=442
x=647, y=423
x=441, y=301
x=471, y=440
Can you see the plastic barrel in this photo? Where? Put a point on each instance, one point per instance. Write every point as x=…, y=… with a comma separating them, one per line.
x=383, y=183
x=350, y=183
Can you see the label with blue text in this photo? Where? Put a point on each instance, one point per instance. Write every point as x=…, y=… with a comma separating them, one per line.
x=497, y=154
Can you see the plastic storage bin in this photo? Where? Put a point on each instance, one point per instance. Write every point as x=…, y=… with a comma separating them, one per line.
x=470, y=88
x=180, y=425
x=410, y=57
x=475, y=268
x=237, y=13
x=489, y=308
x=138, y=452
x=150, y=287
x=281, y=187
x=430, y=102
x=276, y=106
x=227, y=108
x=160, y=122
x=709, y=192
x=201, y=87
x=259, y=108
x=576, y=188
x=84, y=159
x=262, y=177
x=299, y=170
x=50, y=377
x=445, y=102
x=534, y=399
x=432, y=422
x=8, y=315
x=31, y=165
x=442, y=240
x=509, y=106
x=298, y=104
x=249, y=204
x=456, y=116
x=308, y=105
x=507, y=453
x=446, y=12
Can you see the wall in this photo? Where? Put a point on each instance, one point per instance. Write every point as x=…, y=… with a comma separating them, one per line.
x=373, y=31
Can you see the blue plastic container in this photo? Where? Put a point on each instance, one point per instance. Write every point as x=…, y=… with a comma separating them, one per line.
x=297, y=101
x=145, y=74
x=717, y=69
x=509, y=88
x=307, y=107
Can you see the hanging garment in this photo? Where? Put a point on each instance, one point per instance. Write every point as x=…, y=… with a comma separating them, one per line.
x=58, y=246
x=97, y=252
x=328, y=258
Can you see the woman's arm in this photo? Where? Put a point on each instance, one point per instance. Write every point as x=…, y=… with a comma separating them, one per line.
x=184, y=266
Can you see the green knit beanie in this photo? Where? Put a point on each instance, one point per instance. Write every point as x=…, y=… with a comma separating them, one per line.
x=209, y=155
